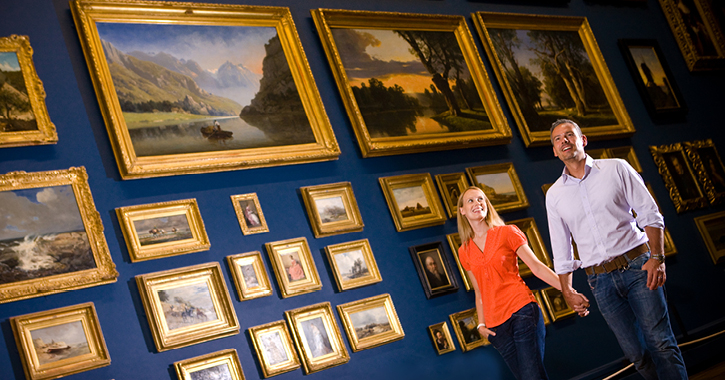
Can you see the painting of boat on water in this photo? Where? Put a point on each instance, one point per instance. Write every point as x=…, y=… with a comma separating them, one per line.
x=187, y=305
x=163, y=229
x=59, y=342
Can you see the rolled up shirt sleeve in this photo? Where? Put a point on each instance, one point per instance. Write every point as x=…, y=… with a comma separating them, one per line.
x=561, y=241
x=640, y=199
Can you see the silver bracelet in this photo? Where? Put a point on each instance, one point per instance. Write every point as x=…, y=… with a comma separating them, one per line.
x=480, y=325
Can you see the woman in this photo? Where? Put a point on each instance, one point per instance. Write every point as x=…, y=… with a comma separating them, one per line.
x=508, y=315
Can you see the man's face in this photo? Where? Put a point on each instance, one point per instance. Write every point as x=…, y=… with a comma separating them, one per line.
x=430, y=264
x=568, y=142
x=677, y=166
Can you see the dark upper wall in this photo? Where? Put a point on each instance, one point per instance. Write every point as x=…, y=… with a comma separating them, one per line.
x=574, y=346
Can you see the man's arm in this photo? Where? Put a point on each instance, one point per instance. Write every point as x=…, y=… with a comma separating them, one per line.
x=575, y=300
x=655, y=266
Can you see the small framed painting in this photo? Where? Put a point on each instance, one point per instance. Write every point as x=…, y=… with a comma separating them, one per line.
x=555, y=302
x=501, y=185
x=317, y=337
x=294, y=267
x=249, y=213
x=712, y=230
x=454, y=241
x=669, y=248
x=274, y=347
x=464, y=324
x=536, y=243
x=370, y=322
x=433, y=269
x=709, y=168
x=441, y=337
x=250, y=275
x=332, y=209
x=677, y=173
x=542, y=306
x=222, y=365
x=353, y=264
x=451, y=186
x=412, y=201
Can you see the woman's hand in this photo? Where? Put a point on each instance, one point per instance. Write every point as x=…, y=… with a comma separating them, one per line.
x=485, y=332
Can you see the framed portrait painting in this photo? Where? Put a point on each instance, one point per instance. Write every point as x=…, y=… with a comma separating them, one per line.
x=441, y=337
x=712, y=230
x=370, y=322
x=317, y=337
x=709, y=168
x=677, y=173
x=353, y=264
x=412, y=201
x=223, y=365
x=433, y=269
x=698, y=33
x=451, y=186
x=332, y=209
x=501, y=185
x=294, y=267
x=178, y=97
x=464, y=324
x=250, y=275
x=274, y=347
x=249, y=213
x=554, y=300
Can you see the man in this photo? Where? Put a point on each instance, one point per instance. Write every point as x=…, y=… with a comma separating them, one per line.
x=591, y=202
x=435, y=278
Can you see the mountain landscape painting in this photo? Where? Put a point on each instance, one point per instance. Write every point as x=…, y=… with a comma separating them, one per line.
x=16, y=113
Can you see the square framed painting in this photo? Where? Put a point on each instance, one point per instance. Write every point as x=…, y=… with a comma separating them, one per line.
x=464, y=324
x=441, y=338
x=501, y=185
x=712, y=230
x=370, y=322
x=332, y=209
x=353, y=264
x=698, y=34
x=250, y=275
x=61, y=245
x=542, y=306
x=24, y=120
x=317, y=337
x=542, y=89
x=412, y=201
x=274, y=348
x=209, y=108
x=400, y=95
x=555, y=303
x=163, y=229
x=249, y=213
x=60, y=342
x=669, y=248
x=451, y=186
x=709, y=168
x=536, y=243
x=433, y=269
x=223, y=365
x=653, y=78
x=679, y=178
x=294, y=267
x=454, y=241
x=188, y=305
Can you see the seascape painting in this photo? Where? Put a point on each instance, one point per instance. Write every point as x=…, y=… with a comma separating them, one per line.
x=219, y=372
x=187, y=305
x=370, y=322
x=411, y=201
x=59, y=342
x=351, y=264
x=16, y=113
x=164, y=229
x=331, y=209
x=498, y=188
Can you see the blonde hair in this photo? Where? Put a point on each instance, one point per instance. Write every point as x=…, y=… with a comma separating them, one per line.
x=464, y=227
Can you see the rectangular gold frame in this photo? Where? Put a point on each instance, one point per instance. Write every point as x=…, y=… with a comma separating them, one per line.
x=443, y=329
x=96, y=357
x=208, y=274
x=454, y=241
x=337, y=354
x=358, y=343
x=528, y=227
x=669, y=245
x=129, y=215
x=46, y=133
x=710, y=174
x=289, y=288
x=562, y=310
x=542, y=307
x=624, y=152
x=328, y=19
x=451, y=186
x=185, y=368
x=717, y=252
x=411, y=222
x=686, y=181
x=368, y=261
x=252, y=260
x=105, y=270
x=696, y=60
x=87, y=13
x=540, y=136
x=352, y=221
x=244, y=216
x=270, y=368
x=457, y=319
x=521, y=201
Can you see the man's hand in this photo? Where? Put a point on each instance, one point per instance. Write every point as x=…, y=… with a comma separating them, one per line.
x=656, y=275
x=578, y=302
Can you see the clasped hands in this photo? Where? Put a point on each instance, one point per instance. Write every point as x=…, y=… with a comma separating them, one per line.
x=578, y=302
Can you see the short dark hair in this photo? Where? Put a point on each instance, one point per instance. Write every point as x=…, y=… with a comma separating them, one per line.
x=565, y=121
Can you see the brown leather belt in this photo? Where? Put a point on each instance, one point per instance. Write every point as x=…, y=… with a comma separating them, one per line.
x=618, y=262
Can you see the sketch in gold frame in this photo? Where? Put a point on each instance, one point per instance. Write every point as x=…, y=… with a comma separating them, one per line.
x=699, y=37
x=250, y=276
x=445, y=344
x=162, y=229
x=669, y=246
x=401, y=190
x=353, y=264
x=224, y=361
x=206, y=312
x=274, y=348
x=454, y=241
x=533, y=125
x=464, y=324
x=542, y=306
x=555, y=303
x=709, y=168
x=536, y=243
x=249, y=213
x=328, y=350
x=332, y=209
x=44, y=342
x=451, y=186
x=44, y=131
x=370, y=322
x=491, y=178
x=293, y=266
x=69, y=191
x=624, y=152
x=712, y=230
x=320, y=144
x=679, y=178
x=373, y=141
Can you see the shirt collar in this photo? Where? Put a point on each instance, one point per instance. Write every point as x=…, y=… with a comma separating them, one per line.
x=589, y=164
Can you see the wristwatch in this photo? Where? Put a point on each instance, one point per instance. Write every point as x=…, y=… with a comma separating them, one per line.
x=660, y=258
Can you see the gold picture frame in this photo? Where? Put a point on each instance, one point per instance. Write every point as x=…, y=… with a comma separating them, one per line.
x=454, y=241
x=451, y=186
x=412, y=201
x=464, y=324
x=669, y=246
x=542, y=307
x=709, y=168
x=712, y=230
x=556, y=304
x=274, y=348
x=49, y=204
x=108, y=30
x=163, y=229
x=32, y=126
x=332, y=209
x=624, y=152
x=60, y=342
x=471, y=118
x=224, y=362
x=186, y=306
x=677, y=173
x=249, y=213
x=508, y=37
x=441, y=338
x=370, y=322
x=294, y=267
x=698, y=35
x=536, y=243
x=250, y=276
x=317, y=337
x=501, y=185
x=353, y=264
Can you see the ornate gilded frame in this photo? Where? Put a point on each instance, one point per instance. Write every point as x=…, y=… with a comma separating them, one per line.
x=464, y=324
x=712, y=240
x=441, y=327
x=375, y=312
x=241, y=203
x=536, y=243
x=324, y=202
x=555, y=303
x=702, y=14
x=451, y=186
x=710, y=174
x=87, y=14
x=420, y=255
x=227, y=358
x=282, y=254
x=420, y=186
x=454, y=241
x=669, y=245
x=249, y=285
x=271, y=333
x=508, y=203
x=104, y=270
x=665, y=157
x=303, y=323
x=343, y=259
x=327, y=20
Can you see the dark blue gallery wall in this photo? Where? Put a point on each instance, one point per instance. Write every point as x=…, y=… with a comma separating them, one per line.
x=575, y=346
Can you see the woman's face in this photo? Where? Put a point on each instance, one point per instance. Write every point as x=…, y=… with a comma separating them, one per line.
x=474, y=205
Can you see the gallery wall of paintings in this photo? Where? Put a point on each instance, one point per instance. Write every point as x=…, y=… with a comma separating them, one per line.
x=267, y=189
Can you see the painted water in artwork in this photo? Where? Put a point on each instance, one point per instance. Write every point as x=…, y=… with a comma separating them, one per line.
x=59, y=342
x=161, y=230
x=370, y=322
x=16, y=113
x=42, y=234
x=219, y=372
x=187, y=305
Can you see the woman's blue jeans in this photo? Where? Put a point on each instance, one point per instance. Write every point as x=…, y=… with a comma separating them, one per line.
x=520, y=340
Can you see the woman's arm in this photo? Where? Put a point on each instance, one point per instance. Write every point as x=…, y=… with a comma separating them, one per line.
x=538, y=268
x=483, y=330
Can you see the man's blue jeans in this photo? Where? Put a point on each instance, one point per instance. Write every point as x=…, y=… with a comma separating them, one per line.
x=638, y=317
x=520, y=340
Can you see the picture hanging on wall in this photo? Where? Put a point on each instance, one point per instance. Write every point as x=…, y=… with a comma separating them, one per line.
x=501, y=185
x=24, y=119
x=669, y=248
x=454, y=241
x=678, y=176
x=451, y=186
x=542, y=306
x=709, y=168
x=536, y=243
x=196, y=104
x=712, y=230
x=623, y=152
x=274, y=348
x=528, y=51
x=332, y=209
x=317, y=337
x=402, y=95
x=370, y=322
x=412, y=201
x=555, y=303
x=217, y=365
x=294, y=267
x=698, y=33
x=250, y=275
x=433, y=269
x=353, y=264
x=249, y=213
x=441, y=337
x=464, y=324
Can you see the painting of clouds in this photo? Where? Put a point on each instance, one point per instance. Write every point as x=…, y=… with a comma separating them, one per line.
x=411, y=201
x=60, y=342
x=498, y=187
x=351, y=264
x=370, y=322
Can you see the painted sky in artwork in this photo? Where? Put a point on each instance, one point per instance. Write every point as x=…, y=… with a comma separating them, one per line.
x=648, y=56
x=410, y=197
x=38, y=211
x=499, y=181
x=9, y=61
x=346, y=260
x=366, y=317
x=71, y=333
